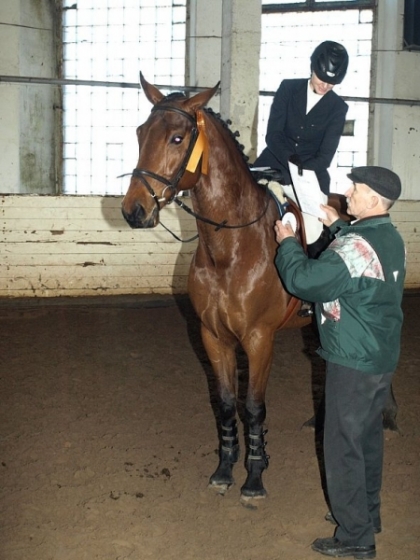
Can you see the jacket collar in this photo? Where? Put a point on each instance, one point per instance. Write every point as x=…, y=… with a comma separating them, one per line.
x=372, y=221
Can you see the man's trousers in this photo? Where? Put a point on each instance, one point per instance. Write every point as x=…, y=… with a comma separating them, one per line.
x=353, y=450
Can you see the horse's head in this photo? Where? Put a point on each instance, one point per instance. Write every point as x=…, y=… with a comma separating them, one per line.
x=173, y=152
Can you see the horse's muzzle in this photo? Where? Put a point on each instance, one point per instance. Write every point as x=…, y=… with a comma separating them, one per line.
x=138, y=219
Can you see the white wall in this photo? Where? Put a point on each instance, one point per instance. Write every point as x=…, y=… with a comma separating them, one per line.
x=223, y=44
x=395, y=132
x=81, y=246
x=27, y=119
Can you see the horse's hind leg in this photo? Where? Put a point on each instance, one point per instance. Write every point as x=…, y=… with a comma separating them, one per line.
x=223, y=359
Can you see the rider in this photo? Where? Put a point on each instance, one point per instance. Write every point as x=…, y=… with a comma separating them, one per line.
x=305, y=125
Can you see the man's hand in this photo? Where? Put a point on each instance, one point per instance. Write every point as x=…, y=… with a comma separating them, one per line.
x=332, y=215
x=283, y=231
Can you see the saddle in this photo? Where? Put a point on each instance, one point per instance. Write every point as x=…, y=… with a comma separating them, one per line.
x=271, y=179
x=284, y=205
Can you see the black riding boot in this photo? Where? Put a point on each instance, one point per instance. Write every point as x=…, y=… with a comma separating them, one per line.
x=313, y=251
x=316, y=248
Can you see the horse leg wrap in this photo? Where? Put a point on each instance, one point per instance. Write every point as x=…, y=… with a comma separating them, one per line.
x=256, y=448
x=228, y=455
x=256, y=462
x=229, y=444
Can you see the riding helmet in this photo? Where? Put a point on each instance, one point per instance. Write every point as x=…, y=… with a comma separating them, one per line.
x=329, y=61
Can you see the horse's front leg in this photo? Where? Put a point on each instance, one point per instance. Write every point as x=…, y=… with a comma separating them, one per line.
x=259, y=351
x=223, y=359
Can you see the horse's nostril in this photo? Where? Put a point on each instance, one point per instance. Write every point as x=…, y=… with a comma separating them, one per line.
x=135, y=218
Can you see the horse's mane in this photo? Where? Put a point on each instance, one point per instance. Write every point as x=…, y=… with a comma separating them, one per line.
x=233, y=135
x=178, y=95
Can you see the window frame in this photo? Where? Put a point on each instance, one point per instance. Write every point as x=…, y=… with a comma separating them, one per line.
x=315, y=6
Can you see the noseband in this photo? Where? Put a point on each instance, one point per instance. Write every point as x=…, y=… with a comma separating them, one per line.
x=171, y=185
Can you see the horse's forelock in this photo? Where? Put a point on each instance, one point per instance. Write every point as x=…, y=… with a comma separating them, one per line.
x=174, y=96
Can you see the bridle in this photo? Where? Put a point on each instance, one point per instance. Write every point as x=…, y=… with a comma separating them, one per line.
x=141, y=174
x=197, y=150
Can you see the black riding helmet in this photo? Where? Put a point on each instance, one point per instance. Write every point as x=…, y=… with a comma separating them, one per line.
x=329, y=61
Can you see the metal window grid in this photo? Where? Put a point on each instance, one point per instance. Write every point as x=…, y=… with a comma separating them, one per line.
x=111, y=41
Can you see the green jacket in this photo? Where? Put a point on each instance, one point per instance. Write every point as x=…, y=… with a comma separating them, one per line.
x=357, y=284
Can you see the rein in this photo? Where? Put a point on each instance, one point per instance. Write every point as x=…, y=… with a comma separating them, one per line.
x=224, y=224
x=218, y=225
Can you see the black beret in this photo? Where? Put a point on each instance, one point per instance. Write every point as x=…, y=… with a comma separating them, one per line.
x=383, y=181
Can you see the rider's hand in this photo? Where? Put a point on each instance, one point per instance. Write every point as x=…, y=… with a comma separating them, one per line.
x=283, y=231
x=295, y=159
x=331, y=213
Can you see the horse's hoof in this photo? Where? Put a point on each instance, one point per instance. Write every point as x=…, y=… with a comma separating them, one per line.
x=219, y=488
x=222, y=479
x=248, y=503
x=248, y=494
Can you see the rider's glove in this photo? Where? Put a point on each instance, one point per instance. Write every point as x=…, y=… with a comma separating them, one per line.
x=295, y=159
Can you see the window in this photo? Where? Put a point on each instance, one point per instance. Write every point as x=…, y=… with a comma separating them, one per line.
x=110, y=42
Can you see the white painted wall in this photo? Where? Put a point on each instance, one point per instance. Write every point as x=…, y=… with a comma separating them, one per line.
x=395, y=132
x=204, y=43
x=27, y=112
x=223, y=44
x=241, y=40
x=81, y=246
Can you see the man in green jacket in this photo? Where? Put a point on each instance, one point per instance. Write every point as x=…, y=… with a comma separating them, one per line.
x=357, y=286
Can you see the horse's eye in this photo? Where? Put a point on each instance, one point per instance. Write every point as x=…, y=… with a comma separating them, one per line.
x=177, y=139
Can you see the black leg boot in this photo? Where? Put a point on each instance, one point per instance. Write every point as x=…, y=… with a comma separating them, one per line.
x=316, y=248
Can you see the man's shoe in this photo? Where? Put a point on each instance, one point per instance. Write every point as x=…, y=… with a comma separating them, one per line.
x=329, y=517
x=333, y=547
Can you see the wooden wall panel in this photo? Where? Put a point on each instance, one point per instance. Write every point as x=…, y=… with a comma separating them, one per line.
x=81, y=246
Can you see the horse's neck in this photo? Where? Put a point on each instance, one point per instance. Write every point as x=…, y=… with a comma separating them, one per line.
x=234, y=197
x=229, y=195
x=237, y=203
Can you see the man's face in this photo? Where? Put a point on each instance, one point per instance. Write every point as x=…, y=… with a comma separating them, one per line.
x=319, y=87
x=359, y=197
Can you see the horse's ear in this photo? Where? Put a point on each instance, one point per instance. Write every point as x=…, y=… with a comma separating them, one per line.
x=152, y=93
x=201, y=99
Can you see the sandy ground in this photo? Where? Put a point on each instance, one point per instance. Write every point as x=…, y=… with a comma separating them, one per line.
x=108, y=440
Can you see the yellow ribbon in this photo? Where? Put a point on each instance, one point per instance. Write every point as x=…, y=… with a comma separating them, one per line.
x=201, y=148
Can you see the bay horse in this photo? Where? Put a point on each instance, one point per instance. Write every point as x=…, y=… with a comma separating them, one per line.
x=233, y=283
